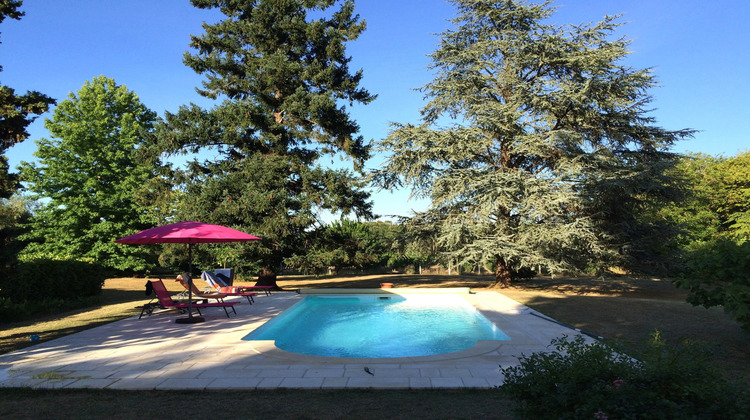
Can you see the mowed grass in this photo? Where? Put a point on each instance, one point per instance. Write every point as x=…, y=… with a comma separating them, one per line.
x=360, y=404
x=623, y=309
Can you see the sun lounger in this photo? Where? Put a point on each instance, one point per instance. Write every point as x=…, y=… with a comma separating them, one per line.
x=214, y=281
x=197, y=293
x=165, y=300
x=183, y=279
x=225, y=276
x=219, y=281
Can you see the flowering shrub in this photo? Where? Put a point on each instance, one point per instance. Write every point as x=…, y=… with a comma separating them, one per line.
x=580, y=381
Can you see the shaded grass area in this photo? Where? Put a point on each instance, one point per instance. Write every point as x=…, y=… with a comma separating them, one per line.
x=121, y=298
x=630, y=314
x=633, y=324
x=334, y=404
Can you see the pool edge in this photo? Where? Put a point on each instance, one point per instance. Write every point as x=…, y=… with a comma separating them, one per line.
x=268, y=348
x=395, y=290
x=482, y=347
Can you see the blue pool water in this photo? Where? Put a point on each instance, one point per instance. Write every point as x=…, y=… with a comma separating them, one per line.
x=378, y=326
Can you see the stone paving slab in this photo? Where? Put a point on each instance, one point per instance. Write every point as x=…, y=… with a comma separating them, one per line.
x=156, y=353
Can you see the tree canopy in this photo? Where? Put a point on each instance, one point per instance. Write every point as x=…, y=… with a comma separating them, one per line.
x=89, y=174
x=16, y=112
x=715, y=245
x=281, y=74
x=536, y=146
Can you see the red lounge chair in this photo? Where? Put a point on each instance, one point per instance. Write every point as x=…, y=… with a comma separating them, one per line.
x=166, y=300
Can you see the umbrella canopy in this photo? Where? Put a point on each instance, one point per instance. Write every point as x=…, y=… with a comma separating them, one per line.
x=187, y=233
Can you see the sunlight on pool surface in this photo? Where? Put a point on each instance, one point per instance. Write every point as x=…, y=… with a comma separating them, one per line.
x=378, y=326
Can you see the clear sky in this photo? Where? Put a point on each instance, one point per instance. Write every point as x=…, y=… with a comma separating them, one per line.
x=699, y=52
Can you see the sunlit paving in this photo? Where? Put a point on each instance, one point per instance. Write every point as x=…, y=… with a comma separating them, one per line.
x=156, y=353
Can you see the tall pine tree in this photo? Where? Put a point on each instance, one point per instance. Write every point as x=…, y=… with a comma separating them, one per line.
x=282, y=74
x=536, y=146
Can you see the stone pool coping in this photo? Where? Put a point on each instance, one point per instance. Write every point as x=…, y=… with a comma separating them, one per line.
x=156, y=353
x=394, y=290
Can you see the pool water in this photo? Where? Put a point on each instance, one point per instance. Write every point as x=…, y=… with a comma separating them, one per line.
x=378, y=326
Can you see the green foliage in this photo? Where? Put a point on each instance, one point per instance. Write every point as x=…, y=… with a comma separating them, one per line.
x=579, y=380
x=12, y=311
x=9, y=8
x=357, y=248
x=17, y=311
x=395, y=240
x=718, y=274
x=89, y=172
x=346, y=244
x=16, y=112
x=732, y=194
x=14, y=213
x=715, y=216
x=716, y=198
x=45, y=280
x=418, y=242
x=536, y=146
x=282, y=72
x=8, y=181
x=705, y=193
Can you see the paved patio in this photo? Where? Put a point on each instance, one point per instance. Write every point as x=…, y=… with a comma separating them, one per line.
x=156, y=353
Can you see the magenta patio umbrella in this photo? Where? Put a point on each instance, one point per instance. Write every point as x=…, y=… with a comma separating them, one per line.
x=187, y=233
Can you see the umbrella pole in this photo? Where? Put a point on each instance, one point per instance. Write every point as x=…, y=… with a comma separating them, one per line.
x=190, y=319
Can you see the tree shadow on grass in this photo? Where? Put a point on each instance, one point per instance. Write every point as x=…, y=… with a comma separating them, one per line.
x=374, y=281
x=632, y=320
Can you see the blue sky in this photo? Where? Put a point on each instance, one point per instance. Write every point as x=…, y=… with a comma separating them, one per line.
x=698, y=51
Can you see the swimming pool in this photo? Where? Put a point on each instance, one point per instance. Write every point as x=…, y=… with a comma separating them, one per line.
x=378, y=326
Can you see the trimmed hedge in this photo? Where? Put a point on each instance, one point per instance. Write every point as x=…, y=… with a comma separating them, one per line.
x=44, y=279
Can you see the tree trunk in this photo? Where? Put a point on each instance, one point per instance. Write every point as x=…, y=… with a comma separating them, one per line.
x=267, y=277
x=502, y=274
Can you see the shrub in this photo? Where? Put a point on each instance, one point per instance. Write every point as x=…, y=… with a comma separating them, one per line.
x=718, y=274
x=38, y=280
x=581, y=380
x=524, y=273
x=11, y=311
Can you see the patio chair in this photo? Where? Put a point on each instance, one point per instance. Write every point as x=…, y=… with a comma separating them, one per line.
x=165, y=300
x=219, y=280
x=148, y=308
x=214, y=282
x=197, y=293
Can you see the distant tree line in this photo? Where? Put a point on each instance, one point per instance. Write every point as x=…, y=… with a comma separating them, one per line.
x=536, y=150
